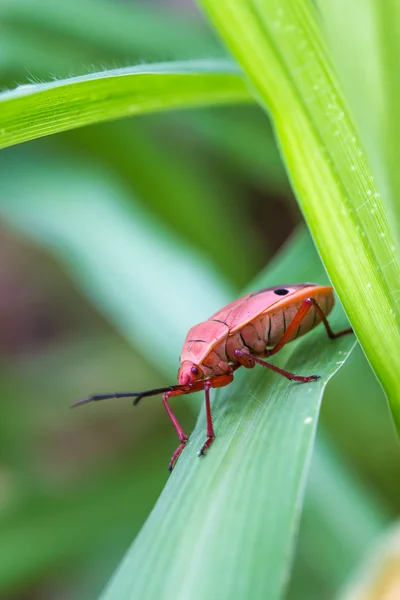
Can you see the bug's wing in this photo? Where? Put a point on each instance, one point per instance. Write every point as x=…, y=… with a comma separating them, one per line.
x=224, y=314
x=264, y=301
x=202, y=338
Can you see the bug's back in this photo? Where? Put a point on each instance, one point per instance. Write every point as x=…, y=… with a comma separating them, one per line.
x=280, y=307
x=253, y=322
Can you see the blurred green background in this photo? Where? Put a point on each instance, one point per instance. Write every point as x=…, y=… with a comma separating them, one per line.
x=82, y=291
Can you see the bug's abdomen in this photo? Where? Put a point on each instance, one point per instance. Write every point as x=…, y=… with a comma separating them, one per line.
x=267, y=329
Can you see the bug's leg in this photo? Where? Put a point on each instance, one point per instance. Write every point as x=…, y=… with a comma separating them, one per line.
x=291, y=330
x=210, y=428
x=325, y=321
x=245, y=358
x=216, y=381
x=183, y=438
x=213, y=382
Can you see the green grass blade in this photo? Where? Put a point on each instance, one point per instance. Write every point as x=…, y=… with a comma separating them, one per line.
x=367, y=58
x=279, y=46
x=256, y=468
x=36, y=110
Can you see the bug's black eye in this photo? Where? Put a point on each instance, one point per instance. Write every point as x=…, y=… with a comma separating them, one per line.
x=195, y=370
x=281, y=292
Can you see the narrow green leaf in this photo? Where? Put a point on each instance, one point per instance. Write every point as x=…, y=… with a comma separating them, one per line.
x=367, y=58
x=36, y=110
x=279, y=46
x=256, y=468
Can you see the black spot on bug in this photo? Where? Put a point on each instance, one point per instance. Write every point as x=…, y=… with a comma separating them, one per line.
x=281, y=292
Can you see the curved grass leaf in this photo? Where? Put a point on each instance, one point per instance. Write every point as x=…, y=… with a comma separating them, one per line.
x=279, y=46
x=367, y=59
x=36, y=110
x=236, y=510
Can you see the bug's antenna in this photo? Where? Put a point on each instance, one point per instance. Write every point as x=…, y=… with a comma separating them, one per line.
x=137, y=395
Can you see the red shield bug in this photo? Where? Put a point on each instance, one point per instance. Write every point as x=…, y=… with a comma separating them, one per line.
x=243, y=333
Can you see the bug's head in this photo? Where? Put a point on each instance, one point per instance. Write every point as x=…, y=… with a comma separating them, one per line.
x=189, y=373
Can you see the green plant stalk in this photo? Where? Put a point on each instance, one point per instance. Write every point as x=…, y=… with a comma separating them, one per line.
x=367, y=58
x=279, y=47
x=36, y=110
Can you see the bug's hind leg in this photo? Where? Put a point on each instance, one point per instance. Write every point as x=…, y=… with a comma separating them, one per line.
x=245, y=358
x=291, y=330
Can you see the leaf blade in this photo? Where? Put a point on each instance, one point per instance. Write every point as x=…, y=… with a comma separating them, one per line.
x=36, y=110
x=280, y=47
x=265, y=431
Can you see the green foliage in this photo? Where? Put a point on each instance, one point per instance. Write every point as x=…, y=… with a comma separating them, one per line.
x=281, y=49
x=157, y=222
x=367, y=58
x=40, y=109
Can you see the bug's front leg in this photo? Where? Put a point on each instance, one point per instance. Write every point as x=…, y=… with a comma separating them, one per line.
x=213, y=382
x=183, y=438
x=210, y=428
